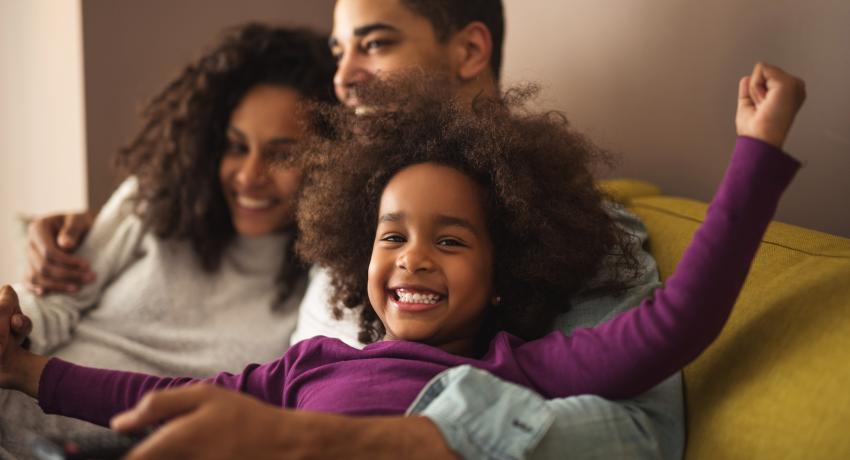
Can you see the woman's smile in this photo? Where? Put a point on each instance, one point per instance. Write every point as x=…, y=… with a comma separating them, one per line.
x=253, y=203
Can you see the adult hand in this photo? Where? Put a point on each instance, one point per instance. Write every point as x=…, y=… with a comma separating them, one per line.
x=768, y=101
x=52, y=267
x=208, y=422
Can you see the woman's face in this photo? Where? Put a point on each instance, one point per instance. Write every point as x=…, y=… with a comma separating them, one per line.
x=430, y=276
x=260, y=195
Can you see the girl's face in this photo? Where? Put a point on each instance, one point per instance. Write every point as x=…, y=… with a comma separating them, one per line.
x=430, y=276
x=261, y=197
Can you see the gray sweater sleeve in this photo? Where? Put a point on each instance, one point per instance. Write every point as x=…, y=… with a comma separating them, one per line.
x=111, y=245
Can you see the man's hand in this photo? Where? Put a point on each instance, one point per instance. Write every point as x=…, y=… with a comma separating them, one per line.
x=51, y=266
x=768, y=101
x=207, y=422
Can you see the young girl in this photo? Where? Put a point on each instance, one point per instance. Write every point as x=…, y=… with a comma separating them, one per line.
x=447, y=228
x=201, y=235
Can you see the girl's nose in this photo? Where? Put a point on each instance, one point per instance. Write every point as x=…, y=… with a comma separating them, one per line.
x=415, y=259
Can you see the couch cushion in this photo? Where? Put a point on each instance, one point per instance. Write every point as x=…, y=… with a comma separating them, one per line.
x=776, y=383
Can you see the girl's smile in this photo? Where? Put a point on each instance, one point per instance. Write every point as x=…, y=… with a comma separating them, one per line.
x=430, y=275
x=412, y=298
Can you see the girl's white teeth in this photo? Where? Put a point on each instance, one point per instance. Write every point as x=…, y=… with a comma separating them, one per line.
x=252, y=203
x=415, y=297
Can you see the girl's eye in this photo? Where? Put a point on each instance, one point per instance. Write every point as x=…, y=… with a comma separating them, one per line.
x=450, y=242
x=393, y=238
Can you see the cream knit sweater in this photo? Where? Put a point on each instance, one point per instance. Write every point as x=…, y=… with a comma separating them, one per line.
x=153, y=309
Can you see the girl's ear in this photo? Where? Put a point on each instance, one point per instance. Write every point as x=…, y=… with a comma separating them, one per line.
x=472, y=48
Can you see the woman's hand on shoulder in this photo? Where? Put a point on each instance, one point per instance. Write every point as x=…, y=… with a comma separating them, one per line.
x=768, y=101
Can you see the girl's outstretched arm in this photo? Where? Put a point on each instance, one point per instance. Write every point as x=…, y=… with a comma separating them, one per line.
x=768, y=101
x=19, y=369
x=643, y=346
x=96, y=395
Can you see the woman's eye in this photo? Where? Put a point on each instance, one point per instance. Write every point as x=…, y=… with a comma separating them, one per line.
x=280, y=155
x=235, y=148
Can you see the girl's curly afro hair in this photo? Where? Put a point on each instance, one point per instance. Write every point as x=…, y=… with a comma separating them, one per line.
x=552, y=233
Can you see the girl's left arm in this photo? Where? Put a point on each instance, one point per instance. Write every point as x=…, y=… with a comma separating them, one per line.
x=641, y=347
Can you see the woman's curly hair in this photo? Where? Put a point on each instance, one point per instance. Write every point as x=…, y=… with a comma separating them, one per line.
x=553, y=237
x=177, y=153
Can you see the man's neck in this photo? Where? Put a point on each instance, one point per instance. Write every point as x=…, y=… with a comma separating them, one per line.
x=482, y=86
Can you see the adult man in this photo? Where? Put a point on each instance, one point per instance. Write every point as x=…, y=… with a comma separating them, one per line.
x=465, y=412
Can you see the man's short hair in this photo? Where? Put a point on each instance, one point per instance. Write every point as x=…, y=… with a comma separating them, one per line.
x=449, y=16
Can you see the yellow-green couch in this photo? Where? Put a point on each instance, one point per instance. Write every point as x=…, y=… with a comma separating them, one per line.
x=776, y=383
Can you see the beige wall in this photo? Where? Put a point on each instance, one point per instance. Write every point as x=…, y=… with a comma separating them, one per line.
x=653, y=80
x=656, y=81
x=133, y=47
x=42, y=144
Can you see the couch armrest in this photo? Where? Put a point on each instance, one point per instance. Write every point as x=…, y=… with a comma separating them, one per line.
x=775, y=382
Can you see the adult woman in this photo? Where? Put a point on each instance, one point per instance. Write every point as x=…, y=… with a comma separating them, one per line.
x=200, y=235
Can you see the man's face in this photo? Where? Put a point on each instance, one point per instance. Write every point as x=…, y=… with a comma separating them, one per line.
x=373, y=38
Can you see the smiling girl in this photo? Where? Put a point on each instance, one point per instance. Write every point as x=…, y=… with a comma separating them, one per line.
x=450, y=231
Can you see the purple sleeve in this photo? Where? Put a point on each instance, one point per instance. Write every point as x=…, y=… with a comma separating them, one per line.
x=95, y=395
x=635, y=351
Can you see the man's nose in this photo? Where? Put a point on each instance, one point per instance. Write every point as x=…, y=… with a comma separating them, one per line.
x=350, y=72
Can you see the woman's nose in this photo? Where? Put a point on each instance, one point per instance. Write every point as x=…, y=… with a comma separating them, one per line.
x=253, y=170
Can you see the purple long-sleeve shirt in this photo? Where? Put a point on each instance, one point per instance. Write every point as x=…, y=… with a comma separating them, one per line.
x=618, y=359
